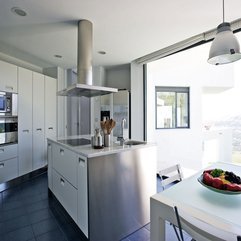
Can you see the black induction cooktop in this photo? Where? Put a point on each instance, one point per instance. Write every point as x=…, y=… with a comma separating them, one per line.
x=76, y=142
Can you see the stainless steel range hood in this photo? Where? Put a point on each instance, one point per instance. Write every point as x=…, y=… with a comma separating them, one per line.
x=84, y=86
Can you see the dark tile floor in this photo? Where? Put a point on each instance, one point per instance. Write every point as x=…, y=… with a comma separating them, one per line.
x=27, y=213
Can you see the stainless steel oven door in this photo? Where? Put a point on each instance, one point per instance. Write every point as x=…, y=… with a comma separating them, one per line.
x=8, y=130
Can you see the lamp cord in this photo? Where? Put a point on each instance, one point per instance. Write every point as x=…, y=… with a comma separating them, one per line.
x=223, y=11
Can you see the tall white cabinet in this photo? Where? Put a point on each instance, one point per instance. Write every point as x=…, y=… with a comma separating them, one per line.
x=37, y=118
x=50, y=106
x=25, y=113
x=8, y=80
x=38, y=121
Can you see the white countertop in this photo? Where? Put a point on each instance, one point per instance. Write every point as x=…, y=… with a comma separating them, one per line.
x=89, y=151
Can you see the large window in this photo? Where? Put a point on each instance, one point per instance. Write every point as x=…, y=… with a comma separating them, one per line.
x=172, y=107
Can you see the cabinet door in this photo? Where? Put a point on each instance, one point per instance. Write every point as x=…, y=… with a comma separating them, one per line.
x=24, y=120
x=39, y=159
x=50, y=165
x=82, y=218
x=66, y=194
x=8, y=169
x=8, y=152
x=65, y=162
x=50, y=106
x=8, y=77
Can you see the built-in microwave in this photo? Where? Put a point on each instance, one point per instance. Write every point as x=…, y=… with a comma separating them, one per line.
x=8, y=104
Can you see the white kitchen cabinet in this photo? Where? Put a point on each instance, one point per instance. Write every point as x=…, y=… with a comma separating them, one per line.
x=37, y=118
x=39, y=159
x=64, y=178
x=8, y=77
x=50, y=106
x=25, y=120
x=50, y=165
x=82, y=219
x=66, y=194
x=69, y=182
x=8, y=169
x=8, y=162
x=8, y=152
x=65, y=162
x=50, y=109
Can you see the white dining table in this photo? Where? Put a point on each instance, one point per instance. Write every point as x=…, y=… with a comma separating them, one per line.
x=189, y=193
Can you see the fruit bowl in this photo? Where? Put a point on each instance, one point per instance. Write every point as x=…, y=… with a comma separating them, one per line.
x=200, y=180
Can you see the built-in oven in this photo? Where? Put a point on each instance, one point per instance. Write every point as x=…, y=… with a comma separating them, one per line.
x=8, y=104
x=8, y=130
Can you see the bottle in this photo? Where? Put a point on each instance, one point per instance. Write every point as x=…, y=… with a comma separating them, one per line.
x=97, y=139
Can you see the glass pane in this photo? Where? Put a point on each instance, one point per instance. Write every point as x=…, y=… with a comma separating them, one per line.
x=182, y=109
x=165, y=110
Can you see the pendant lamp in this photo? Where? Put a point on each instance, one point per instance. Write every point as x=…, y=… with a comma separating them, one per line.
x=225, y=47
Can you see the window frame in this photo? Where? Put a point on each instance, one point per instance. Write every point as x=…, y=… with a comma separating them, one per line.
x=176, y=90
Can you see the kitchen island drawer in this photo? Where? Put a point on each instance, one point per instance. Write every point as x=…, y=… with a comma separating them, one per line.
x=66, y=194
x=65, y=162
x=8, y=151
x=8, y=169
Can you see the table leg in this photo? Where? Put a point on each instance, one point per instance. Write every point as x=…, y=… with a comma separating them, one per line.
x=157, y=223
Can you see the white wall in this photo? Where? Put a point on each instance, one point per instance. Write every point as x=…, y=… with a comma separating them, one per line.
x=118, y=77
x=189, y=69
x=137, y=102
x=99, y=76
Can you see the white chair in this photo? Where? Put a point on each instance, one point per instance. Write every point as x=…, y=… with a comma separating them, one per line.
x=203, y=231
x=170, y=175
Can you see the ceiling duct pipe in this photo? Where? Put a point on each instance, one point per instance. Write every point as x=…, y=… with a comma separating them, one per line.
x=85, y=42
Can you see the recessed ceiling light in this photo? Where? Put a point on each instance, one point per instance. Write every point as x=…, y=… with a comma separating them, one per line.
x=58, y=56
x=102, y=52
x=18, y=11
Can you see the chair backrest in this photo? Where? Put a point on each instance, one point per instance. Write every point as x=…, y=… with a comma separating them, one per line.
x=200, y=230
x=170, y=175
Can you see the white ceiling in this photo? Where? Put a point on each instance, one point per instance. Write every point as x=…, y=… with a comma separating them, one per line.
x=125, y=29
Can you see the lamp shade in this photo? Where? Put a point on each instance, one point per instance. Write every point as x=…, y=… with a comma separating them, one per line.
x=225, y=47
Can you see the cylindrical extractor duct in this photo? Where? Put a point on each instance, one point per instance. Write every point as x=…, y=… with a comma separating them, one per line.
x=84, y=67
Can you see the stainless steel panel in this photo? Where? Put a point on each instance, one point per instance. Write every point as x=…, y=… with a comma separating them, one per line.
x=84, y=85
x=120, y=187
x=9, y=137
x=86, y=90
x=8, y=130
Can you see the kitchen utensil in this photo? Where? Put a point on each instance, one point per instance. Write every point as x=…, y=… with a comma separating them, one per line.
x=107, y=126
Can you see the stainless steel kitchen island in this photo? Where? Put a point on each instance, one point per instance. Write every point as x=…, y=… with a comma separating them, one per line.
x=106, y=192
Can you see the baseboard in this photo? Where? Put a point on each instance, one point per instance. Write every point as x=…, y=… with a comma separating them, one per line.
x=18, y=180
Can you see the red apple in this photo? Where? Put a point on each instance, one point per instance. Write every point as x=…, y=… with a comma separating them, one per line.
x=217, y=183
x=207, y=179
x=233, y=187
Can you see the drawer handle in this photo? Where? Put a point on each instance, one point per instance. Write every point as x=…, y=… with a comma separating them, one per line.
x=1, y=165
x=26, y=131
x=61, y=151
x=50, y=128
x=1, y=150
x=81, y=161
x=39, y=129
x=62, y=181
